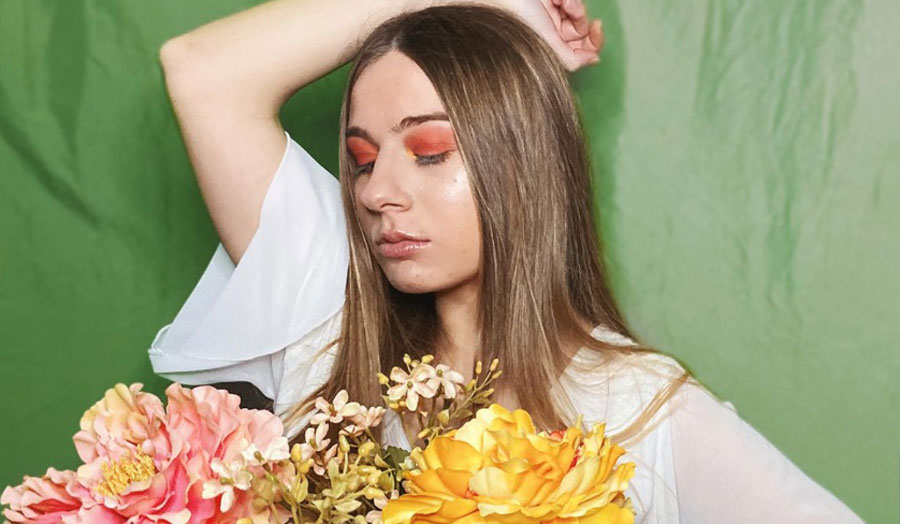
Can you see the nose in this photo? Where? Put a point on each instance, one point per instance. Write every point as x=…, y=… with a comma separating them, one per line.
x=383, y=187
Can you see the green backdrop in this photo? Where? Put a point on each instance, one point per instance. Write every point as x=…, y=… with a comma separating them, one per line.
x=746, y=155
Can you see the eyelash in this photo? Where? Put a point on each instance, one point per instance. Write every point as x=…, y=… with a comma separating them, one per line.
x=427, y=160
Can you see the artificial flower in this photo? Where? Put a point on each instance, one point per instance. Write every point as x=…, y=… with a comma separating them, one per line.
x=496, y=468
x=420, y=381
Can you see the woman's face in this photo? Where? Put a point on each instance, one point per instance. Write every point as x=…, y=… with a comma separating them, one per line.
x=409, y=179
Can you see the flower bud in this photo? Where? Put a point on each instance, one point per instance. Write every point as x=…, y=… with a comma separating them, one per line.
x=424, y=433
x=386, y=482
x=478, y=368
x=444, y=417
x=296, y=453
x=379, y=461
x=371, y=492
x=343, y=443
x=383, y=379
x=495, y=363
x=427, y=359
x=406, y=359
x=366, y=448
x=373, y=477
x=354, y=483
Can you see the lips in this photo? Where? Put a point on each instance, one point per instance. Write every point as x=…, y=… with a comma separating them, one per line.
x=395, y=236
x=397, y=244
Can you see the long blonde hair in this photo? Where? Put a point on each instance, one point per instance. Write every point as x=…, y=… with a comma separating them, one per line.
x=521, y=139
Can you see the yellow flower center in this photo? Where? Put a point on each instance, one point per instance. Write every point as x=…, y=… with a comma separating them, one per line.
x=118, y=475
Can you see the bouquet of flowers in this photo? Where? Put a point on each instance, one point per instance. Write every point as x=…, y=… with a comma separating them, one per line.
x=203, y=459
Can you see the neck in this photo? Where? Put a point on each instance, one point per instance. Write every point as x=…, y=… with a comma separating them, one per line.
x=460, y=331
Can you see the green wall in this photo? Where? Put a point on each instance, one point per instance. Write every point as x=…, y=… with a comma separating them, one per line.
x=747, y=157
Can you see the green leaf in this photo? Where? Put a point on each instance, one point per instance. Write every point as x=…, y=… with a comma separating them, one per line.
x=394, y=456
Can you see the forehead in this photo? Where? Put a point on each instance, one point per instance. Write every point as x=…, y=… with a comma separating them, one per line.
x=389, y=89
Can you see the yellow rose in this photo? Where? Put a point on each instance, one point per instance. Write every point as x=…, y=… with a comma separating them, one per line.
x=497, y=469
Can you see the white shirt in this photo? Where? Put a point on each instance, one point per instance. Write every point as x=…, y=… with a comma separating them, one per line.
x=266, y=320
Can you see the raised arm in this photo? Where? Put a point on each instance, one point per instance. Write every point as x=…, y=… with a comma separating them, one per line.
x=228, y=79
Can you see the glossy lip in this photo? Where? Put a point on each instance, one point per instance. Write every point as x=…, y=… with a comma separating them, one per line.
x=394, y=236
x=397, y=244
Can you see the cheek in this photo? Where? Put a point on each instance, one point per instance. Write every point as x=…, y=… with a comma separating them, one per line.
x=459, y=212
x=456, y=194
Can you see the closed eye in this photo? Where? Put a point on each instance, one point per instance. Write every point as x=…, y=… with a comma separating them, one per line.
x=422, y=160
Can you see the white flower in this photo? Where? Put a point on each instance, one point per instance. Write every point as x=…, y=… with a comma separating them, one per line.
x=236, y=473
x=315, y=446
x=374, y=516
x=449, y=379
x=315, y=437
x=365, y=419
x=278, y=450
x=334, y=412
x=422, y=380
x=321, y=460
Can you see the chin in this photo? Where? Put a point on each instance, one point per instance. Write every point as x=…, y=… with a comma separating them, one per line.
x=411, y=285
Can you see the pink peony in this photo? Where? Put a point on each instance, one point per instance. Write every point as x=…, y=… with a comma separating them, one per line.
x=42, y=500
x=144, y=464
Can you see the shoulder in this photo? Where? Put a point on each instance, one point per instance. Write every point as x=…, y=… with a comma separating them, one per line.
x=618, y=387
x=634, y=370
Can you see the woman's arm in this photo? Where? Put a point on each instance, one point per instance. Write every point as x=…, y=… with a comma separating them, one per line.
x=228, y=79
x=726, y=471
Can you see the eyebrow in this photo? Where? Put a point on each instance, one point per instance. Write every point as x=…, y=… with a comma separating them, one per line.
x=404, y=124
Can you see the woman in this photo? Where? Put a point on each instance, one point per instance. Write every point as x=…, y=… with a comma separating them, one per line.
x=461, y=226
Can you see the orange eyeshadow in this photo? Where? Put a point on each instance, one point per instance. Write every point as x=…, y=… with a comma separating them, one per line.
x=431, y=140
x=362, y=150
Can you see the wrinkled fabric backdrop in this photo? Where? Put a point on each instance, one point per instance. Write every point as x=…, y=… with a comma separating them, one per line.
x=746, y=163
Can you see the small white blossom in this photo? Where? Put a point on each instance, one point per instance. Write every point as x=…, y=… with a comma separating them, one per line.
x=315, y=437
x=278, y=450
x=374, y=516
x=449, y=379
x=365, y=419
x=323, y=459
x=421, y=380
x=236, y=472
x=334, y=412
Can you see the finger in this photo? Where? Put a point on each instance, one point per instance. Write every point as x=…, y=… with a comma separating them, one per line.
x=576, y=12
x=585, y=57
x=568, y=32
x=596, y=33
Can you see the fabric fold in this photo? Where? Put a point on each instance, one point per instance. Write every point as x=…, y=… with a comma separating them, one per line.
x=238, y=319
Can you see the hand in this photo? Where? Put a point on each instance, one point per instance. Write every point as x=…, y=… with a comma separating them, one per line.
x=564, y=24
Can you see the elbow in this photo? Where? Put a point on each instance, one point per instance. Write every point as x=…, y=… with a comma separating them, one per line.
x=178, y=56
x=179, y=67
x=172, y=54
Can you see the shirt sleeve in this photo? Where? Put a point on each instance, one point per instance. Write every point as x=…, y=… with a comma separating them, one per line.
x=291, y=278
x=726, y=471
